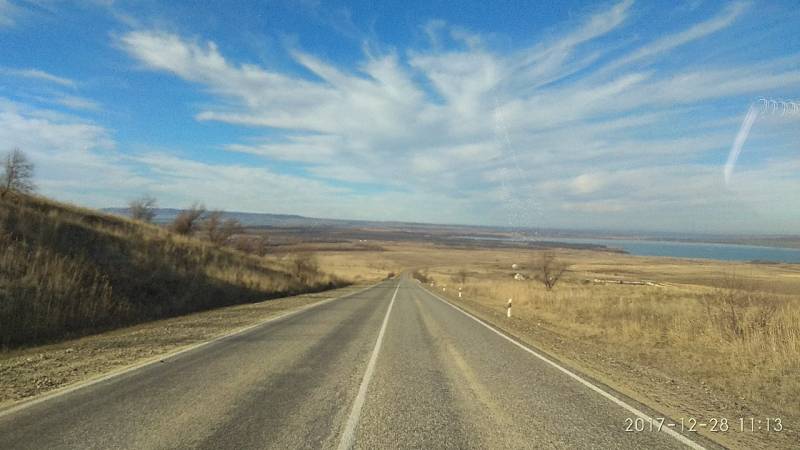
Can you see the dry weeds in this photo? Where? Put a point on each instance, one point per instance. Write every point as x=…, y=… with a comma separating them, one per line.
x=67, y=271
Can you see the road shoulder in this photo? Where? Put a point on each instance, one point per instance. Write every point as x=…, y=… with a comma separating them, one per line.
x=30, y=374
x=585, y=360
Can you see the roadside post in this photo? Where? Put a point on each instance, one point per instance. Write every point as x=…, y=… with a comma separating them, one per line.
x=508, y=309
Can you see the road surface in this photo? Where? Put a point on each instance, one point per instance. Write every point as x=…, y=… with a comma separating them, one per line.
x=389, y=367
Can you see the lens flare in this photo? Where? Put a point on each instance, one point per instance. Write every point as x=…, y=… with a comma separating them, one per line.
x=763, y=107
x=738, y=143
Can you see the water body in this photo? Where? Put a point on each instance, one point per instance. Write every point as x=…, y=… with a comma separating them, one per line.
x=729, y=252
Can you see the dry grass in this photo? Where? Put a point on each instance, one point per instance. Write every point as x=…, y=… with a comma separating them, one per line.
x=743, y=342
x=66, y=271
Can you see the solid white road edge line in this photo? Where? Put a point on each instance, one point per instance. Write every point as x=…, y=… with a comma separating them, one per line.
x=80, y=385
x=349, y=434
x=681, y=438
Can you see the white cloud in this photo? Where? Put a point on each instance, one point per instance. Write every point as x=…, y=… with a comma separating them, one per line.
x=601, y=207
x=8, y=13
x=177, y=181
x=307, y=148
x=75, y=159
x=77, y=102
x=564, y=126
x=700, y=30
x=45, y=130
x=36, y=74
x=586, y=183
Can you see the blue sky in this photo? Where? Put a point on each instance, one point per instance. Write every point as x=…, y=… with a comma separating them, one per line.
x=618, y=115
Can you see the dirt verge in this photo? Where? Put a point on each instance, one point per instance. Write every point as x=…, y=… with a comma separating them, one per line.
x=30, y=372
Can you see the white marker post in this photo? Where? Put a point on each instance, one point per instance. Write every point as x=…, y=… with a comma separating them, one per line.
x=508, y=309
x=459, y=292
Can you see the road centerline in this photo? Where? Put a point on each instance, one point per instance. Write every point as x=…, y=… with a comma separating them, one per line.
x=348, y=436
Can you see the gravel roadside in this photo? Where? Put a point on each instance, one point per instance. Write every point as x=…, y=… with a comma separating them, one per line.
x=30, y=372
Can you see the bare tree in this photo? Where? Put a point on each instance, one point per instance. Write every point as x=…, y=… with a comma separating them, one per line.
x=186, y=221
x=460, y=277
x=549, y=269
x=219, y=230
x=305, y=267
x=17, y=173
x=212, y=225
x=143, y=208
x=256, y=245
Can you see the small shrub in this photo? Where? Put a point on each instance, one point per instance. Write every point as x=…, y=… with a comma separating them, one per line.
x=143, y=209
x=422, y=277
x=186, y=221
x=305, y=267
x=219, y=230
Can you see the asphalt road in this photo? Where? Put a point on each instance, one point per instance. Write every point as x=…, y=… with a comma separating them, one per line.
x=390, y=367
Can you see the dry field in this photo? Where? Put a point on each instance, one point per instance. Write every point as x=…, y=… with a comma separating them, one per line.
x=705, y=339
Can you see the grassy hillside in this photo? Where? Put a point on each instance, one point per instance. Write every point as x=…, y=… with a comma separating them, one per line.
x=66, y=271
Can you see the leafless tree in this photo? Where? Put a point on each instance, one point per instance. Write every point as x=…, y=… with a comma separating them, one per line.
x=305, y=267
x=549, y=269
x=17, y=173
x=219, y=230
x=460, y=277
x=256, y=245
x=143, y=208
x=187, y=220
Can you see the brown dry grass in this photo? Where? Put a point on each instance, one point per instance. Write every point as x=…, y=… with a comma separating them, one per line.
x=67, y=271
x=743, y=342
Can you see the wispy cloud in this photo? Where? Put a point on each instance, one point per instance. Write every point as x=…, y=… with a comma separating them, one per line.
x=75, y=159
x=39, y=75
x=76, y=102
x=594, y=123
x=695, y=32
x=8, y=13
x=450, y=119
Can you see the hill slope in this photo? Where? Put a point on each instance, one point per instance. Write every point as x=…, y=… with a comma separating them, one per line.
x=67, y=271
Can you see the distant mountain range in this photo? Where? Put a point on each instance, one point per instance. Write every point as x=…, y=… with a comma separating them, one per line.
x=254, y=220
x=166, y=215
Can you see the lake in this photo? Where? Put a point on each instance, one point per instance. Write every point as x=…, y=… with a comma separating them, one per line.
x=730, y=252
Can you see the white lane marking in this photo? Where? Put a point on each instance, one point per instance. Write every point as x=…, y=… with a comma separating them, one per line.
x=681, y=438
x=80, y=385
x=349, y=434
